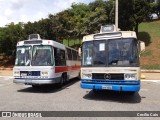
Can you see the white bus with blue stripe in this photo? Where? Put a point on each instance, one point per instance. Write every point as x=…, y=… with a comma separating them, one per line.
x=110, y=60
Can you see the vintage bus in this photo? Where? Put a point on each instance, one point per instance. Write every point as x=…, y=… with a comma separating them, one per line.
x=40, y=61
x=110, y=60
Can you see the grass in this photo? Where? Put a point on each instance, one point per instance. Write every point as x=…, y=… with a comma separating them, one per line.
x=151, y=67
x=152, y=28
x=146, y=53
x=149, y=32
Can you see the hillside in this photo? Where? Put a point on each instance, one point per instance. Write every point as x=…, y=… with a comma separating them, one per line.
x=149, y=32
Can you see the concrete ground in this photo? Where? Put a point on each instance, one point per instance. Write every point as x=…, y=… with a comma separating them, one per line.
x=72, y=98
x=148, y=76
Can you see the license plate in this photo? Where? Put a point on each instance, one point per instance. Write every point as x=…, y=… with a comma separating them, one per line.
x=105, y=87
x=28, y=81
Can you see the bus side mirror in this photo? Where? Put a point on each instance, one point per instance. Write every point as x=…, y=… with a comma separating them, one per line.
x=79, y=51
x=142, y=46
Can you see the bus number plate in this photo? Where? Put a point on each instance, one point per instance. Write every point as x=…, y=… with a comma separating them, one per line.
x=106, y=87
x=28, y=81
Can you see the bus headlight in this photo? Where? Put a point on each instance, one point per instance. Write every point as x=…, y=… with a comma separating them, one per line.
x=16, y=73
x=87, y=76
x=44, y=74
x=130, y=76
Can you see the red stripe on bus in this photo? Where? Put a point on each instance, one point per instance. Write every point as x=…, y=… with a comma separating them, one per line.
x=66, y=68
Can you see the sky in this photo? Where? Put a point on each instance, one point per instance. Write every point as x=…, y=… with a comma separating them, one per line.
x=32, y=10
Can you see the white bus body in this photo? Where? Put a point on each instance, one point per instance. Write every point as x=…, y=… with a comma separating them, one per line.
x=41, y=61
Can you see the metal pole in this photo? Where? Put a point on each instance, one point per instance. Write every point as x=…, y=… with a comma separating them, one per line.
x=116, y=15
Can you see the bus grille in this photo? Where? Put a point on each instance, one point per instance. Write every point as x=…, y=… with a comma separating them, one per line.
x=107, y=76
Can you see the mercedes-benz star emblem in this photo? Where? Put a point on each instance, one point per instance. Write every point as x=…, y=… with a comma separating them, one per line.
x=29, y=73
x=107, y=76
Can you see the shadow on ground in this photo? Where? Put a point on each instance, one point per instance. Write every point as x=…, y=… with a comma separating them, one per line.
x=121, y=97
x=49, y=88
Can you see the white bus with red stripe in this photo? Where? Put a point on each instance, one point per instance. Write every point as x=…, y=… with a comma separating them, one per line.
x=40, y=61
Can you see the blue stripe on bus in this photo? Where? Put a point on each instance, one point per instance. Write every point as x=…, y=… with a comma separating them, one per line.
x=35, y=78
x=116, y=85
x=110, y=87
x=133, y=82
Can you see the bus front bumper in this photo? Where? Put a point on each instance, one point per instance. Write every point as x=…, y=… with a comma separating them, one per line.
x=113, y=87
x=35, y=81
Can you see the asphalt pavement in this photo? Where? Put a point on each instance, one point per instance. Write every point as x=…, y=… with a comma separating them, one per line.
x=20, y=97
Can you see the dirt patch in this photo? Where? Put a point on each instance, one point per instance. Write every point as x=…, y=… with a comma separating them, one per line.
x=6, y=73
x=154, y=57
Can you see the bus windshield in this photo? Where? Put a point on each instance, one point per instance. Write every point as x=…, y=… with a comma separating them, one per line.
x=112, y=53
x=42, y=55
x=23, y=56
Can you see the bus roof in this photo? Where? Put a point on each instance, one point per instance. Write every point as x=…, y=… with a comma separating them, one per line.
x=44, y=42
x=41, y=42
x=110, y=35
x=35, y=39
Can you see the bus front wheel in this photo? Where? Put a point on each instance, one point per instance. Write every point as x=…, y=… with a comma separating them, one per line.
x=61, y=81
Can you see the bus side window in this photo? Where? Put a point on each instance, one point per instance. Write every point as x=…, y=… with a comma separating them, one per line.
x=74, y=55
x=59, y=57
x=69, y=54
x=56, y=57
x=62, y=57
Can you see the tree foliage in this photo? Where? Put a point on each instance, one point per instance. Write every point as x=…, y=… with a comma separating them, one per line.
x=79, y=20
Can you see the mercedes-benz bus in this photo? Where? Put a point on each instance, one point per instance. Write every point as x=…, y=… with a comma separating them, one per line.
x=111, y=60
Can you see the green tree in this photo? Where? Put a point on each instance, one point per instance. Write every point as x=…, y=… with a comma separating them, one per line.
x=158, y=9
x=132, y=13
x=9, y=37
x=125, y=14
x=100, y=14
x=141, y=10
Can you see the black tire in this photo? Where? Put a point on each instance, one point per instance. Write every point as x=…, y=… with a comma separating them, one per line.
x=61, y=81
x=65, y=77
x=35, y=86
x=79, y=76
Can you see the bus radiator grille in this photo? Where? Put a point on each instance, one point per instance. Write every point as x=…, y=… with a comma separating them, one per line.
x=108, y=76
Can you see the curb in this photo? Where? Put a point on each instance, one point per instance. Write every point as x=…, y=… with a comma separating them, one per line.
x=150, y=71
x=9, y=76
